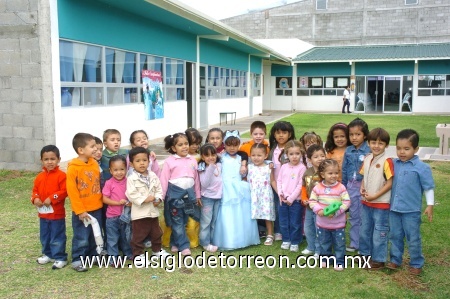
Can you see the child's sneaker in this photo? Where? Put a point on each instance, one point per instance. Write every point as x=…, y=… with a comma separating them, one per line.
x=306, y=251
x=44, y=260
x=294, y=248
x=59, y=265
x=210, y=248
x=174, y=249
x=162, y=253
x=338, y=268
x=79, y=268
x=148, y=244
x=316, y=255
x=186, y=251
x=278, y=237
x=285, y=245
x=350, y=249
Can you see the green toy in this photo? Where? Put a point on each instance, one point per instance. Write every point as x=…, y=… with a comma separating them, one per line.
x=331, y=209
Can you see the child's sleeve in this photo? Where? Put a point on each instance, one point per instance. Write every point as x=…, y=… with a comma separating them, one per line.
x=73, y=193
x=155, y=166
x=344, y=170
x=164, y=178
x=196, y=181
x=157, y=188
x=206, y=176
x=243, y=155
x=61, y=194
x=304, y=195
x=280, y=182
x=345, y=197
x=313, y=201
x=426, y=178
x=388, y=169
x=35, y=193
x=298, y=189
x=133, y=193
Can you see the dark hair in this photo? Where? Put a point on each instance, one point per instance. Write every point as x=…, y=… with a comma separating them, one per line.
x=134, y=133
x=260, y=146
x=118, y=158
x=358, y=122
x=81, y=140
x=171, y=140
x=108, y=132
x=98, y=140
x=258, y=124
x=214, y=130
x=379, y=133
x=310, y=136
x=294, y=143
x=208, y=149
x=324, y=164
x=280, y=126
x=50, y=148
x=409, y=134
x=135, y=151
x=314, y=148
x=192, y=135
x=329, y=144
x=232, y=141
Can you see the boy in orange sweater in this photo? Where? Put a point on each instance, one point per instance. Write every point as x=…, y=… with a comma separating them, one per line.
x=83, y=188
x=49, y=195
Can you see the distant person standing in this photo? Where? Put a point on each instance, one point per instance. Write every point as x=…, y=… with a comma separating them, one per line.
x=346, y=100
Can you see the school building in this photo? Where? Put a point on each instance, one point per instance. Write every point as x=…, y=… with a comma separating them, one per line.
x=72, y=66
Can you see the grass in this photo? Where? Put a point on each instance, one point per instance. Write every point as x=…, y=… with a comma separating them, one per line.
x=23, y=277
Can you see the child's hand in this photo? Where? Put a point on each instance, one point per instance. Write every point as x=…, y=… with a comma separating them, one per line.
x=156, y=203
x=362, y=191
x=271, y=165
x=152, y=154
x=243, y=170
x=128, y=204
x=320, y=213
x=429, y=212
x=123, y=202
x=199, y=202
x=369, y=197
x=38, y=203
x=83, y=216
x=47, y=202
x=150, y=198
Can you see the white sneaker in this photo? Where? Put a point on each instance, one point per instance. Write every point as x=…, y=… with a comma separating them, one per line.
x=306, y=251
x=338, y=268
x=44, y=260
x=316, y=255
x=278, y=237
x=148, y=244
x=294, y=248
x=162, y=253
x=59, y=265
x=285, y=245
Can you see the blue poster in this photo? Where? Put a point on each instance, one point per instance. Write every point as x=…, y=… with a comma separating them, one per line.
x=153, y=94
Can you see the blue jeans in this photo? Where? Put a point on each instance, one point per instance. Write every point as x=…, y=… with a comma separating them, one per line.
x=276, y=223
x=53, y=238
x=83, y=242
x=335, y=238
x=406, y=225
x=116, y=230
x=310, y=231
x=373, y=237
x=353, y=189
x=291, y=222
x=208, y=217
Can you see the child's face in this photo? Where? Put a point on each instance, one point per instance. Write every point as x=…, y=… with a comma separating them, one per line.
x=112, y=143
x=118, y=170
x=258, y=135
x=140, y=163
x=405, y=150
x=89, y=150
x=99, y=153
x=377, y=147
x=316, y=158
x=193, y=148
x=330, y=174
x=50, y=160
x=181, y=147
x=356, y=136
x=209, y=159
x=294, y=155
x=215, y=138
x=258, y=155
x=339, y=138
x=282, y=137
x=232, y=149
x=140, y=139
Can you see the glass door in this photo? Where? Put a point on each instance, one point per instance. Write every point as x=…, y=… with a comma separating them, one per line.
x=374, y=95
x=392, y=87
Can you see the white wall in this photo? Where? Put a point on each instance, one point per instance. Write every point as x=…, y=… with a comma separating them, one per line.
x=125, y=118
x=238, y=105
x=257, y=105
x=432, y=104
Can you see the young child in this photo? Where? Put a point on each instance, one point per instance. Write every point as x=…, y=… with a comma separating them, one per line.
x=258, y=133
x=140, y=138
x=353, y=159
x=114, y=196
x=234, y=226
x=209, y=170
x=331, y=228
x=280, y=134
x=337, y=142
x=112, y=140
x=99, y=152
x=289, y=187
x=195, y=140
x=181, y=190
x=259, y=174
x=83, y=189
x=215, y=137
x=308, y=139
x=378, y=171
x=144, y=191
x=49, y=195
x=412, y=178
x=315, y=154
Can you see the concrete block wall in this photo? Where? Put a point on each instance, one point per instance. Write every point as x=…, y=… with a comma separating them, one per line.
x=351, y=22
x=21, y=88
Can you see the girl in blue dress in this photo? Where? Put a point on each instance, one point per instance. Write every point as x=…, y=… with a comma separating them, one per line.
x=235, y=227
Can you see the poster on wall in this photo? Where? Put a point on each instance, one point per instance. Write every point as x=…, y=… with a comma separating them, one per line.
x=152, y=91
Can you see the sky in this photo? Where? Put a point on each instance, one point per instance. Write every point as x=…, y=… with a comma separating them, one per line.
x=221, y=9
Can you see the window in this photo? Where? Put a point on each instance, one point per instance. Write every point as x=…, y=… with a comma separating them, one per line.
x=174, y=79
x=256, y=84
x=436, y=85
x=222, y=83
x=318, y=86
x=321, y=4
x=283, y=86
x=411, y=2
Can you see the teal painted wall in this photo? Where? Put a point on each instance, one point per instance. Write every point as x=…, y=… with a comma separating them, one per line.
x=98, y=23
x=216, y=54
x=384, y=68
x=281, y=70
x=255, y=64
x=434, y=67
x=324, y=69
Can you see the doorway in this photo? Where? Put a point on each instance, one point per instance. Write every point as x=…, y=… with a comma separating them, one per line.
x=203, y=97
x=375, y=88
x=190, y=92
x=392, y=87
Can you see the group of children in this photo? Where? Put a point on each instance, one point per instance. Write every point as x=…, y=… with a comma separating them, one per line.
x=291, y=188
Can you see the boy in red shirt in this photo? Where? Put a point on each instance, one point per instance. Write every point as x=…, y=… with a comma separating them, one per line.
x=49, y=194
